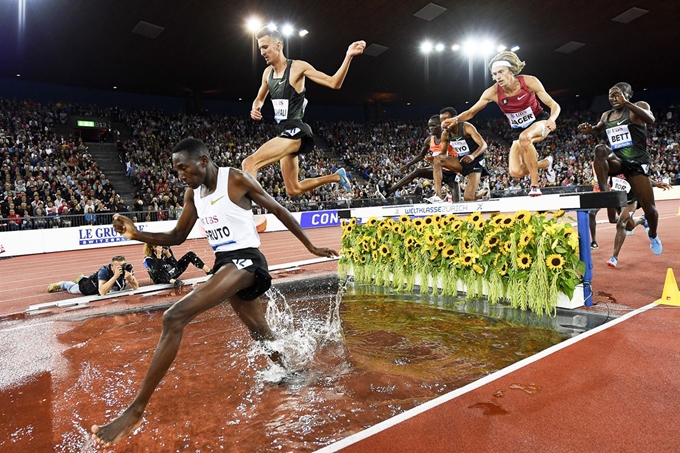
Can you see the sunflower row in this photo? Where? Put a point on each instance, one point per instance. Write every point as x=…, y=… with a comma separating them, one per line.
x=506, y=256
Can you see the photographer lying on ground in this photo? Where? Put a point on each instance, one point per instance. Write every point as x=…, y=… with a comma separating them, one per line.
x=163, y=267
x=115, y=276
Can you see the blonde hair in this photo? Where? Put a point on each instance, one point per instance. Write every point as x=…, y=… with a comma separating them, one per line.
x=516, y=65
x=148, y=249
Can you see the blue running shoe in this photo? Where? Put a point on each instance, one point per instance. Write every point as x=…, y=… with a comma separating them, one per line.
x=645, y=224
x=655, y=245
x=344, y=180
x=613, y=262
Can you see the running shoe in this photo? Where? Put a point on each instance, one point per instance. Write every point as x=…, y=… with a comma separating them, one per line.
x=343, y=179
x=535, y=191
x=612, y=262
x=54, y=287
x=655, y=245
x=630, y=233
x=434, y=199
x=593, y=245
x=552, y=175
x=77, y=279
x=178, y=284
x=645, y=224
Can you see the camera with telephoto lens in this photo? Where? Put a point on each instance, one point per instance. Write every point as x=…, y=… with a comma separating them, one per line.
x=127, y=267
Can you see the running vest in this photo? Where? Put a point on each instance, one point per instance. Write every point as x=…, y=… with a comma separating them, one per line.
x=520, y=109
x=462, y=145
x=288, y=103
x=626, y=139
x=227, y=225
x=436, y=148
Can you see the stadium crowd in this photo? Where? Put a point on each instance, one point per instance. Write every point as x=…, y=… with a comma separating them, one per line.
x=53, y=181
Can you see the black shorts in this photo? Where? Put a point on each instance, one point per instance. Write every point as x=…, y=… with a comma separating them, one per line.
x=251, y=260
x=639, y=165
x=515, y=132
x=449, y=177
x=476, y=166
x=298, y=130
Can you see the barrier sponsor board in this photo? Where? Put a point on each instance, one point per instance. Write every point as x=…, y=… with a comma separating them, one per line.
x=316, y=219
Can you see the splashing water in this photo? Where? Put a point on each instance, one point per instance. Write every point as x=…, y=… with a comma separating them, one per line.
x=298, y=337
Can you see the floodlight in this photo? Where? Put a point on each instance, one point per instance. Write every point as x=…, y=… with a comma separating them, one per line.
x=470, y=47
x=426, y=47
x=253, y=24
x=439, y=47
x=287, y=30
x=455, y=47
x=271, y=26
x=486, y=47
x=515, y=48
x=501, y=48
x=303, y=33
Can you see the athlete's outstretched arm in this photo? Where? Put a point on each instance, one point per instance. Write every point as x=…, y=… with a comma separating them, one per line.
x=335, y=81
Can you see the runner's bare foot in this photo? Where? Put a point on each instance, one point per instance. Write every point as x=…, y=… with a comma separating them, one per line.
x=112, y=432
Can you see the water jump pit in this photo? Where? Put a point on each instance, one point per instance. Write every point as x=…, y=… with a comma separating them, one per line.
x=364, y=354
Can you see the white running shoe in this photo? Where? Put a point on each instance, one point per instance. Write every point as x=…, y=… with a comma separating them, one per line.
x=552, y=175
x=535, y=192
x=434, y=199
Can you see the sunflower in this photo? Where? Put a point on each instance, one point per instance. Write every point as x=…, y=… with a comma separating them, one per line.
x=410, y=241
x=440, y=244
x=374, y=244
x=353, y=221
x=491, y=241
x=384, y=250
x=504, y=269
x=343, y=222
x=466, y=245
x=523, y=216
x=506, y=247
x=364, y=246
x=434, y=255
x=430, y=239
x=429, y=220
x=372, y=221
x=449, y=252
x=348, y=231
x=451, y=217
x=498, y=219
x=477, y=268
x=420, y=229
x=418, y=222
x=507, y=222
x=524, y=261
x=525, y=238
x=558, y=214
x=437, y=218
x=404, y=218
x=475, y=217
x=374, y=255
x=468, y=260
x=455, y=225
x=555, y=262
x=362, y=260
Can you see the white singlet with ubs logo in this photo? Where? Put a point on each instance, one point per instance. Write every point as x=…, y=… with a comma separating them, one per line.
x=227, y=225
x=521, y=119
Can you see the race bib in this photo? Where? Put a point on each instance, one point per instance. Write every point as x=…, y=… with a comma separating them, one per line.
x=461, y=147
x=620, y=184
x=521, y=119
x=619, y=137
x=280, y=109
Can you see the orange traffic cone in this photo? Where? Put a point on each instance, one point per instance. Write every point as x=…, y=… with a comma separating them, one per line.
x=671, y=294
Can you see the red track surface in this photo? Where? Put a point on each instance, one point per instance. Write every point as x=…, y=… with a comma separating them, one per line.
x=614, y=391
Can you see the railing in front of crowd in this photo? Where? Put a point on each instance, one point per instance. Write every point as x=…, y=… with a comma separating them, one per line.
x=105, y=218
